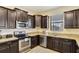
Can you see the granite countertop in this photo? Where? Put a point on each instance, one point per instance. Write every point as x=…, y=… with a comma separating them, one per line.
x=34, y=33
x=63, y=35
x=69, y=36
x=8, y=39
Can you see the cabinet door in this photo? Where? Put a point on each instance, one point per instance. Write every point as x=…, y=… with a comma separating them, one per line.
x=66, y=46
x=24, y=16
x=69, y=46
x=44, y=22
x=4, y=48
x=38, y=20
x=33, y=22
x=14, y=47
x=56, y=44
x=34, y=41
x=19, y=15
x=3, y=18
x=49, y=42
x=11, y=19
x=77, y=17
x=70, y=19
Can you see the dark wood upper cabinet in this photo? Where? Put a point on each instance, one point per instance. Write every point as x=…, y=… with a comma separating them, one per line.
x=38, y=20
x=69, y=18
x=3, y=18
x=77, y=18
x=7, y=18
x=11, y=19
x=18, y=15
x=44, y=21
x=21, y=15
x=24, y=16
x=41, y=21
x=72, y=19
x=31, y=19
x=34, y=21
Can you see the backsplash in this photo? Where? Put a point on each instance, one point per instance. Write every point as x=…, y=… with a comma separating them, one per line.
x=10, y=31
x=73, y=31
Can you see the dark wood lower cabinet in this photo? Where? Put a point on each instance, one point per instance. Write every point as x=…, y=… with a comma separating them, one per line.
x=69, y=46
x=66, y=47
x=34, y=41
x=9, y=47
x=54, y=43
x=62, y=45
x=57, y=44
x=14, y=47
x=49, y=43
x=4, y=48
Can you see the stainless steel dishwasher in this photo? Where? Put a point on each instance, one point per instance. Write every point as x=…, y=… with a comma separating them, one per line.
x=43, y=41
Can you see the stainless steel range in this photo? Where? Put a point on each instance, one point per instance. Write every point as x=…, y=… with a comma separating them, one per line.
x=24, y=40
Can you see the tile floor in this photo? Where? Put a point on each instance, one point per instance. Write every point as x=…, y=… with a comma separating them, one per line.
x=39, y=49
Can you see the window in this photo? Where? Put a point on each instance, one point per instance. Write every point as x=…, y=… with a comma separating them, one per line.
x=56, y=22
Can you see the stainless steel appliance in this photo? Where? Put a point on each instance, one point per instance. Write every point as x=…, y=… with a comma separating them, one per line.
x=24, y=40
x=43, y=41
x=22, y=24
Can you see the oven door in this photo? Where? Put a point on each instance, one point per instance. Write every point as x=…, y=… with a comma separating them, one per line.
x=24, y=44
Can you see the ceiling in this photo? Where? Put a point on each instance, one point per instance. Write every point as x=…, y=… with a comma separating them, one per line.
x=34, y=9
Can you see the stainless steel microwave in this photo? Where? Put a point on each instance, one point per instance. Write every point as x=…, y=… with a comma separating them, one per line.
x=22, y=24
